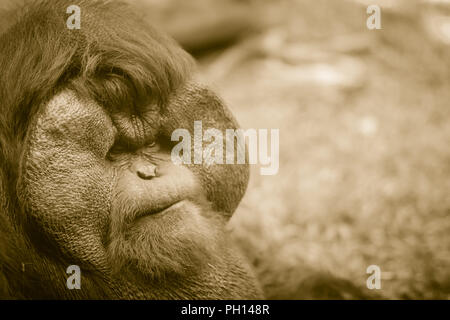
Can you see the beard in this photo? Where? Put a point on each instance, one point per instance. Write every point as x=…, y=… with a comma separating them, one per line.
x=177, y=241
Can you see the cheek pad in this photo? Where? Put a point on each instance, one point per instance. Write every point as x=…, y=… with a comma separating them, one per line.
x=65, y=180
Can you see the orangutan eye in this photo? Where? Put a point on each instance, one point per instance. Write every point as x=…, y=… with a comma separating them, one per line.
x=117, y=148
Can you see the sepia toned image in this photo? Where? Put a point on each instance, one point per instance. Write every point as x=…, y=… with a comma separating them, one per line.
x=224, y=150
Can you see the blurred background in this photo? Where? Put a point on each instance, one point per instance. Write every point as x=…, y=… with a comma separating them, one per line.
x=363, y=114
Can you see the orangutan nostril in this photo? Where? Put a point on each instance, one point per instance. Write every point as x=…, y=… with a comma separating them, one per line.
x=146, y=172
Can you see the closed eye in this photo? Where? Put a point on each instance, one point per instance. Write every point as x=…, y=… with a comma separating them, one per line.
x=120, y=148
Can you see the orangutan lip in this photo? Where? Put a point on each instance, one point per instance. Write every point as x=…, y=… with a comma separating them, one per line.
x=158, y=211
